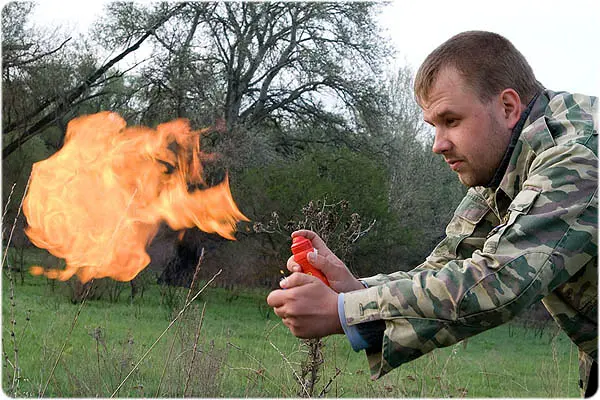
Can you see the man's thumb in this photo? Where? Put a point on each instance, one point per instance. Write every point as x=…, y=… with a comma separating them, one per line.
x=318, y=261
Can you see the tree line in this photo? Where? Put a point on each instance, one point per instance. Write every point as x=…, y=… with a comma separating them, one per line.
x=315, y=129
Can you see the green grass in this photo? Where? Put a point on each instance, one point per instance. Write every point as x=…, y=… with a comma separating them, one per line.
x=244, y=351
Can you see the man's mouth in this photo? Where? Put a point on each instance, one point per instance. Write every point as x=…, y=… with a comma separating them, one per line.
x=454, y=164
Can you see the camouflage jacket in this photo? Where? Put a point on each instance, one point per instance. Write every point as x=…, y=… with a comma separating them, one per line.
x=533, y=236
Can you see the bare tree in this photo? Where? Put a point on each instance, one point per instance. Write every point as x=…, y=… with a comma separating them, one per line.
x=24, y=59
x=254, y=62
x=284, y=58
x=422, y=190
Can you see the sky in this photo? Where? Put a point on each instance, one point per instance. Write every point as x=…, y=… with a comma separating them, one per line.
x=560, y=39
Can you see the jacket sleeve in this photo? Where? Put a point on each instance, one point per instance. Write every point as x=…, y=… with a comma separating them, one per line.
x=550, y=233
x=466, y=232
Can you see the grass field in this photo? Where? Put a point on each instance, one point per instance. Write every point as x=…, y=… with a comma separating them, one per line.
x=242, y=350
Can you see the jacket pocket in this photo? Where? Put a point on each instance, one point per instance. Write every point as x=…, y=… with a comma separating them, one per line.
x=467, y=215
x=521, y=205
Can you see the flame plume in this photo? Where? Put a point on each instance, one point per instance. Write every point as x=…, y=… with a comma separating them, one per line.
x=98, y=202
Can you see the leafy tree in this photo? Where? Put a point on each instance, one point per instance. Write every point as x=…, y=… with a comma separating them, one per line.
x=329, y=176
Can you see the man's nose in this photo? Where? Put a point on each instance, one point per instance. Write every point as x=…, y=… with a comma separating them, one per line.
x=441, y=143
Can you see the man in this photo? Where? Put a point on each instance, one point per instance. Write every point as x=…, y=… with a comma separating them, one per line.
x=525, y=231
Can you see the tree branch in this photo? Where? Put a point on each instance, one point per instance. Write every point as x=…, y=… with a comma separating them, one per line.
x=34, y=59
x=63, y=105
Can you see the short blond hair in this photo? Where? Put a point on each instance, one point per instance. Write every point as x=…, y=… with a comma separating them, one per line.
x=488, y=61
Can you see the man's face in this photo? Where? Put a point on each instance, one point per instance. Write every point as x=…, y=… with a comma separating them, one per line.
x=471, y=135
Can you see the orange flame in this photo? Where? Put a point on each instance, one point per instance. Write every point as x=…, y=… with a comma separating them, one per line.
x=99, y=201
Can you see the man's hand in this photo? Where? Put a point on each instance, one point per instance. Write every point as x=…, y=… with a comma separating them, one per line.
x=307, y=307
x=338, y=275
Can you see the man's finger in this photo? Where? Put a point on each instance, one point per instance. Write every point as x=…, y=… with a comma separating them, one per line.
x=292, y=265
x=318, y=261
x=279, y=312
x=297, y=279
x=275, y=298
x=310, y=235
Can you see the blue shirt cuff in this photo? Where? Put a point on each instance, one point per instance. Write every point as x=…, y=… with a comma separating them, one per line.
x=356, y=340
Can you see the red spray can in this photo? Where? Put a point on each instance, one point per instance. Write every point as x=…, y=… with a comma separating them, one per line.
x=301, y=246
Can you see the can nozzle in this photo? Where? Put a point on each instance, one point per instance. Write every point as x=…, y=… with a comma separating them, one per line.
x=301, y=246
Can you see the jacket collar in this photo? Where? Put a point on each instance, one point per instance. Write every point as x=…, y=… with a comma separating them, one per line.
x=516, y=133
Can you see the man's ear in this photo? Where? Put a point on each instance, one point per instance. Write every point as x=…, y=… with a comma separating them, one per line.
x=511, y=106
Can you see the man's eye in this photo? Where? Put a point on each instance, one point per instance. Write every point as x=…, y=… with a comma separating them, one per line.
x=451, y=122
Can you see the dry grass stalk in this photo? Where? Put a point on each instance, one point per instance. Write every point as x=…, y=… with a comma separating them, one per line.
x=12, y=189
x=311, y=367
x=13, y=324
x=27, y=323
x=12, y=230
x=62, y=349
x=97, y=336
x=194, y=278
x=181, y=312
x=262, y=369
x=194, y=350
x=305, y=394
x=327, y=387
